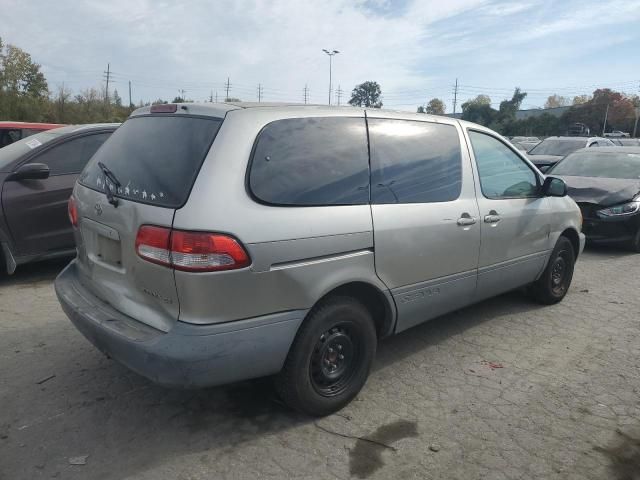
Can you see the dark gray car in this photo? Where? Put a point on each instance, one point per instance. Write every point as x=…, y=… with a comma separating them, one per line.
x=37, y=175
x=553, y=149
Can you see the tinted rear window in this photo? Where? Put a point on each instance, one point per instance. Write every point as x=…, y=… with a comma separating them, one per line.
x=414, y=162
x=155, y=158
x=311, y=161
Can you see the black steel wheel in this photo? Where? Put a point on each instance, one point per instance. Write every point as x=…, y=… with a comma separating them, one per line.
x=556, y=278
x=335, y=359
x=329, y=361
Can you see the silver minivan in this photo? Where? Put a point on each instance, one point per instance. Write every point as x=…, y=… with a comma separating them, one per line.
x=222, y=242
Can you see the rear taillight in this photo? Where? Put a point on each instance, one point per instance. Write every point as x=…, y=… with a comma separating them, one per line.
x=190, y=251
x=152, y=244
x=73, y=211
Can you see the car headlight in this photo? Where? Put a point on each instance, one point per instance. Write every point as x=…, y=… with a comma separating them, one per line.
x=623, y=209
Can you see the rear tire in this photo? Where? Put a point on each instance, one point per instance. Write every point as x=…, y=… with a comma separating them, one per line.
x=555, y=281
x=330, y=358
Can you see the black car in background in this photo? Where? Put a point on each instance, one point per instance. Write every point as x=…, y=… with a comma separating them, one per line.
x=605, y=183
x=37, y=175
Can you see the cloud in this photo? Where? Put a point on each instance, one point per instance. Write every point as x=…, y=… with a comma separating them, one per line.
x=413, y=48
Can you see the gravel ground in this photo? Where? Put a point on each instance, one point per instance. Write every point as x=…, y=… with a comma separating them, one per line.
x=506, y=389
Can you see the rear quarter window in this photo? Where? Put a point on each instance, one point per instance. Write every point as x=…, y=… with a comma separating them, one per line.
x=311, y=161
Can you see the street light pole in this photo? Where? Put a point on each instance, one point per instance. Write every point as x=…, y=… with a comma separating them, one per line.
x=331, y=54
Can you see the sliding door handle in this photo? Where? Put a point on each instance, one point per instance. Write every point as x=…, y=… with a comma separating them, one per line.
x=465, y=221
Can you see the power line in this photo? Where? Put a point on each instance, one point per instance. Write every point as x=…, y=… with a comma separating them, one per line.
x=339, y=93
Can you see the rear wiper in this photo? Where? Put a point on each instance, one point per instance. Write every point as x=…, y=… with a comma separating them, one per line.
x=110, y=175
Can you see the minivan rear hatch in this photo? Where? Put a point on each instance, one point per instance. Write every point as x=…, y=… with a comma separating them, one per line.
x=139, y=177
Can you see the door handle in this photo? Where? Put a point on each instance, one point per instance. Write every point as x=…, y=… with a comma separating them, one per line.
x=494, y=218
x=465, y=220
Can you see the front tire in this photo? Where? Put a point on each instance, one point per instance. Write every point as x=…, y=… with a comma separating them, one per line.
x=330, y=358
x=634, y=245
x=553, y=284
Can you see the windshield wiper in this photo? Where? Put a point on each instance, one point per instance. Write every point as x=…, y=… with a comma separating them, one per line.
x=114, y=180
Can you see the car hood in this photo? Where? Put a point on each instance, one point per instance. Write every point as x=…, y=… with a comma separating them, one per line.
x=601, y=191
x=544, y=159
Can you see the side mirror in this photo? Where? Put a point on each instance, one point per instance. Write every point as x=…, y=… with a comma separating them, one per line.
x=31, y=171
x=554, y=187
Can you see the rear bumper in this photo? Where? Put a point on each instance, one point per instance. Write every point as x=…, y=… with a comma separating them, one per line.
x=187, y=355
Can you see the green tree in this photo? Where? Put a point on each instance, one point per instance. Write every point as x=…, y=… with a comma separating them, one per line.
x=421, y=109
x=504, y=121
x=479, y=100
x=367, y=94
x=478, y=110
x=436, y=107
x=232, y=99
x=23, y=87
x=61, y=101
x=116, y=99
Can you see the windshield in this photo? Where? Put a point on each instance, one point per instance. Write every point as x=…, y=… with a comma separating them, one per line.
x=556, y=146
x=155, y=158
x=597, y=163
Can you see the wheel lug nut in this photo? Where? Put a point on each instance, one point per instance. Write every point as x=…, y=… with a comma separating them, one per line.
x=327, y=362
x=339, y=347
x=330, y=350
x=341, y=357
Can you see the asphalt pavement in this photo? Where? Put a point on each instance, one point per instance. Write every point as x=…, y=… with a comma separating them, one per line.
x=506, y=389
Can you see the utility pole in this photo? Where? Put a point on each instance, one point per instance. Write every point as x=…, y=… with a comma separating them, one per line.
x=216, y=96
x=130, y=104
x=181, y=92
x=62, y=105
x=260, y=89
x=227, y=86
x=211, y=96
x=455, y=97
x=606, y=115
x=107, y=77
x=637, y=111
x=305, y=92
x=339, y=94
x=331, y=55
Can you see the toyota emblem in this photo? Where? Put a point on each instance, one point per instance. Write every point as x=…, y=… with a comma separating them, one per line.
x=98, y=209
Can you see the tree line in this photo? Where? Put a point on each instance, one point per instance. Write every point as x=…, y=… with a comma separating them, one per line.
x=25, y=96
x=616, y=108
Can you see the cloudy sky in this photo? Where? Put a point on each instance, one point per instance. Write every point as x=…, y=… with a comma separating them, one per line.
x=415, y=49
